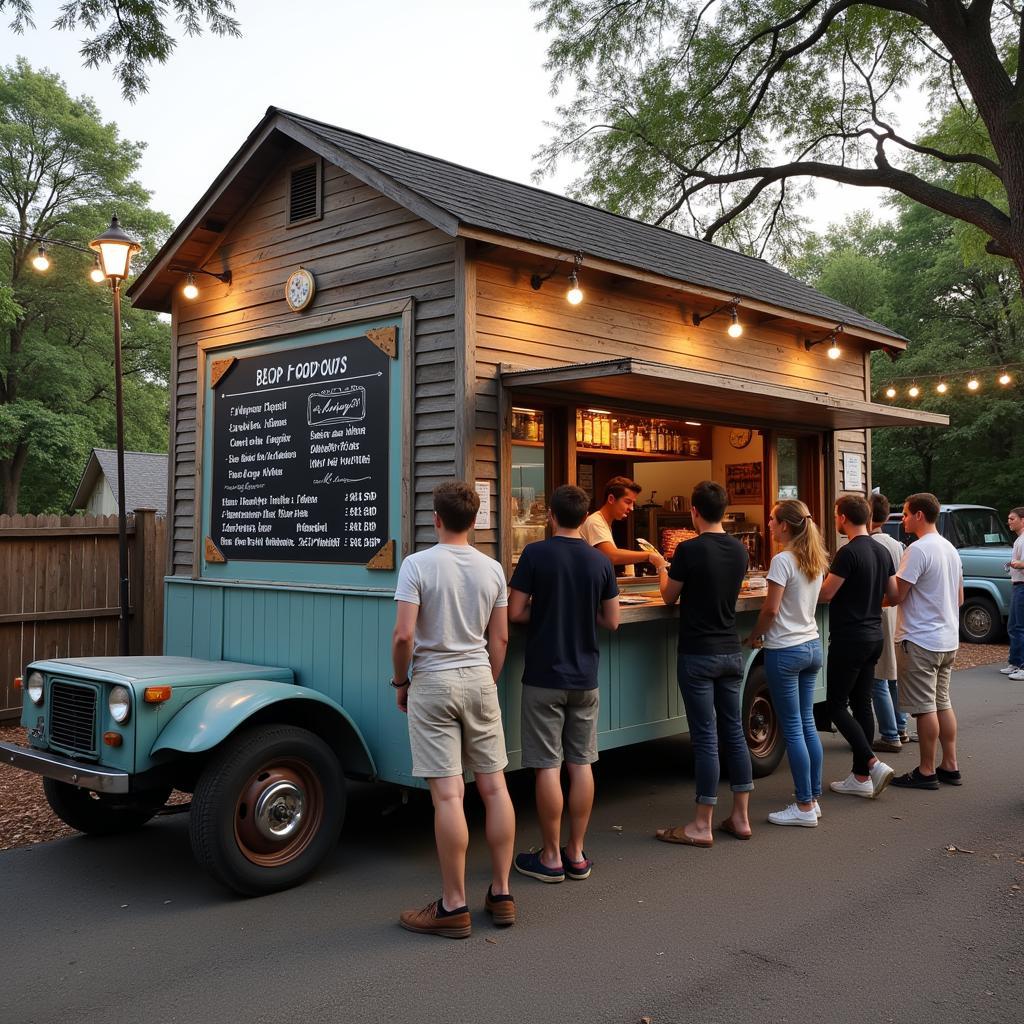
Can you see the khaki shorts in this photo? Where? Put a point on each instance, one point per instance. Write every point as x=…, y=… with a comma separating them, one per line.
x=455, y=723
x=559, y=725
x=923, y=678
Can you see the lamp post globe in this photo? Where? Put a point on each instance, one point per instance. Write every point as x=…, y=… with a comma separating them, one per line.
x=116, y=249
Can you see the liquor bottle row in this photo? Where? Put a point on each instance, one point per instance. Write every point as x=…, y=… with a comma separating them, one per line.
x=527, y=425
x=596, y=429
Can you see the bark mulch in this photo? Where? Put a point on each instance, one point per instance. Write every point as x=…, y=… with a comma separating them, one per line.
x=26, y=818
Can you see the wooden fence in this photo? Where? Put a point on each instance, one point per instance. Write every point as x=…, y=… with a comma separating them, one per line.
x=59, y=592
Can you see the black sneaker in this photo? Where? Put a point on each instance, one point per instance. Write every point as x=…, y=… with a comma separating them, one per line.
x=915, y=780
x=577, y=869
x=950, y=778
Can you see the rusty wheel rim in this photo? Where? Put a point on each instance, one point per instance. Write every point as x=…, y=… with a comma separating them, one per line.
x=278, y=812
x=762, y=726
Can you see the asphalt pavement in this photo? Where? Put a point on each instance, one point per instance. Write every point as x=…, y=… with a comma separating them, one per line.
x=904, y=909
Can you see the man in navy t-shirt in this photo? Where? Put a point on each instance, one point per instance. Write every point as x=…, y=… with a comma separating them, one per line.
x=563, y=589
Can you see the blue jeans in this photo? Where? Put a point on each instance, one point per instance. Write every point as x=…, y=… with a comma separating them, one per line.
x=792, y=673
x=710, y=685
x=885, y=698
x=1015, y=627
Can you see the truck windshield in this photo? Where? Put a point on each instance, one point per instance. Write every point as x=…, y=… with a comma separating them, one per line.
x=980, y=527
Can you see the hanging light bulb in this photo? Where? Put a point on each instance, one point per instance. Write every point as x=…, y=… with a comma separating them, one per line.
x=41, y=261
x=1004, y=378
x=96, y=274
x=574, y=296
x=972, y=384
x=914, y=391
x=735, y=328
x=942, y=387
x=834, y=351
x=890, y=392
x=190, y=291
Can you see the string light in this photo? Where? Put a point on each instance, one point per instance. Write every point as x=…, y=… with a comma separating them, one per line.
x=970, y=381
x=96, y=273
x=890, y=392
x=1004, y=378
x=972, y=384
x=942, y=387
x=914, y=391
x=41, y=261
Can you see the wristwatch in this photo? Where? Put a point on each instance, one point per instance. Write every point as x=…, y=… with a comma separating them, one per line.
x=398, y=686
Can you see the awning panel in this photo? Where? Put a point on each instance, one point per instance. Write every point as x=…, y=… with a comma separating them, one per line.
x=727, y=399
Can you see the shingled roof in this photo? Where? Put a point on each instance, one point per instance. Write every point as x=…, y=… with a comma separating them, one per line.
x=145, y=477
x=485, y=201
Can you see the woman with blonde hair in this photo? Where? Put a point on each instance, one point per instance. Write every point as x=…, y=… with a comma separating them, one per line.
x=788, y=632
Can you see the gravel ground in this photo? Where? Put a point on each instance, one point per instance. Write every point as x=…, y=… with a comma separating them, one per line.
x=25, y=816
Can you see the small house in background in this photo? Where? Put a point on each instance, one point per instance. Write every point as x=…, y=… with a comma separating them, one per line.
x=145, y=475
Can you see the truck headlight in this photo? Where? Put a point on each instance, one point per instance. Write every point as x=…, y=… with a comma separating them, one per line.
x=34, y=687
x=120, y=703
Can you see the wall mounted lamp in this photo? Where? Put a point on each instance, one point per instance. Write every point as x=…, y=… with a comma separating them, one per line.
x=574, y=296
x=834, y=351
x=190, y=289
x=735, y=328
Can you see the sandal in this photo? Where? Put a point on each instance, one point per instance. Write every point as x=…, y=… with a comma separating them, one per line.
x=728, y=828
x=675, y=834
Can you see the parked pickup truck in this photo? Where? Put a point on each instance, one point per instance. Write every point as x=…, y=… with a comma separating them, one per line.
x=984, y=543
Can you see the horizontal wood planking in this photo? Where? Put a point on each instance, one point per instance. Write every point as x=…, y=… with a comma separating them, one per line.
x=59, y=590
x=365, y=249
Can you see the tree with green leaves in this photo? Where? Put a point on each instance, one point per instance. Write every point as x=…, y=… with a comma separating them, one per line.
x=961, y=316
x=63, y=172
x=719, y=117
x=130, y=35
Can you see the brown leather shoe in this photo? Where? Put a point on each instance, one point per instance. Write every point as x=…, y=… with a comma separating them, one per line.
x=501, y=908
x=427, y=922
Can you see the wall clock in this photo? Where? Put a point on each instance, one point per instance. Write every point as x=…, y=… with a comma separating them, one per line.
x=740, y=437
x=300, y=289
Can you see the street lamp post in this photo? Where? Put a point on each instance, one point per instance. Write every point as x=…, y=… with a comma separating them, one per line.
x=115, y=249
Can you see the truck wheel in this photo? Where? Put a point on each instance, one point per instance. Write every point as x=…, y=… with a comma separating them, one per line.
x=268, y=809
x=980, y=621
x=761, y=725
x=102, y=814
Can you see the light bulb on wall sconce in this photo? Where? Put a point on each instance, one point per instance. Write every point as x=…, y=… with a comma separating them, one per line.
x=735, y=328
x=890, y=392
x=41, y=261
x=972, y=384
x=574, y=296
x=190, y=291
x=833, y=351
x=942, y=387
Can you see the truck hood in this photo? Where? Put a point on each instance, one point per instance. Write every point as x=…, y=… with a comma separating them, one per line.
x=171, y=670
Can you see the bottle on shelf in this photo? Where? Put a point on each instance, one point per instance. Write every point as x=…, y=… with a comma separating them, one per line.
x=579, y=426
x=588, y=428
x=606, y=431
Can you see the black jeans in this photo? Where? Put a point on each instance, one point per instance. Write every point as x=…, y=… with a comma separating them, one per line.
x=849, y=677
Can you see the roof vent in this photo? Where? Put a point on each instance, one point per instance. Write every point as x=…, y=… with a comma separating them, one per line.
x=304, y=193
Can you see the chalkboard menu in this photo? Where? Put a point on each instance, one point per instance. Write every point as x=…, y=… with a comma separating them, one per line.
x=301, y=454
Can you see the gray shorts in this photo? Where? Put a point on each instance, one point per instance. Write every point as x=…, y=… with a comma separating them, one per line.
x=455, y=723
x=559, y=725
x=924, y=678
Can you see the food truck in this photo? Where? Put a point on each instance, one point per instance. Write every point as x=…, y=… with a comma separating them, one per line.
x=372, y=321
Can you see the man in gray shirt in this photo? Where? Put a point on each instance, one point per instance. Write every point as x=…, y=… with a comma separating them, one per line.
x=451, y=634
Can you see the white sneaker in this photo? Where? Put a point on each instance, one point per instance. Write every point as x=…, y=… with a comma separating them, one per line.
x=1016, y=674
x=1008, y=668
x=852, y=785
x=792, y=815
x=817, y=809
x=881, y=775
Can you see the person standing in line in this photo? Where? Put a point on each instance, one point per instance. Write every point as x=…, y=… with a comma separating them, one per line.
x=1014, y=667
x=930, y=584
x=860, y=576
x=707, y=572
x=563, y=589
x=451, y=632
x=787, y=630
x=620, y=494
x=892, y=723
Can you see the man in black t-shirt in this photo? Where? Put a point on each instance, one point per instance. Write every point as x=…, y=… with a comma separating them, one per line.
x=564, y=589
x=708, y=573
x=861, y=575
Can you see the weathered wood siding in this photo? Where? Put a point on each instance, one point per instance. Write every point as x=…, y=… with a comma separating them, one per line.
x=517, y=325
x=365, y=249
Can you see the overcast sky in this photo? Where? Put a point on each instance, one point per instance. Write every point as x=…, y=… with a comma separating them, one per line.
x=457, y=79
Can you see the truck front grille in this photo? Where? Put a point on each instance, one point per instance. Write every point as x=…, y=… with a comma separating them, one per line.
x=73, y=717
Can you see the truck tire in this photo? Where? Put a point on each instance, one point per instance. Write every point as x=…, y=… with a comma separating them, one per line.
x=761, y=726
x=268, y=809
x=103, y=814
x=980, y=621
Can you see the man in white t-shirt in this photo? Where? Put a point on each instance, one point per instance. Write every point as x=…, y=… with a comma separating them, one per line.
x=620, y=494
x=447, y=650
x=931, y=590
x=1014, y=667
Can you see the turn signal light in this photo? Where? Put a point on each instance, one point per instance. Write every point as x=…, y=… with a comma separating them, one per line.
x=17, y=682
x=156, y=694
x=112, y=739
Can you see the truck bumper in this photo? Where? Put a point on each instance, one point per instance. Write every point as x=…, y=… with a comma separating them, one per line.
x=64, y=769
